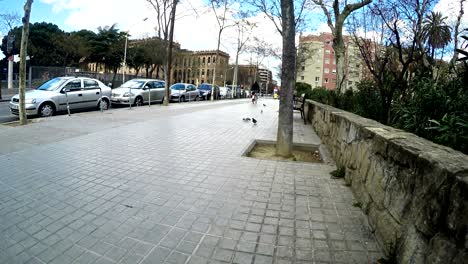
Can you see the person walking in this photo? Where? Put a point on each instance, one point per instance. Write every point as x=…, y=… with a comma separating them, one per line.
x=254, y=90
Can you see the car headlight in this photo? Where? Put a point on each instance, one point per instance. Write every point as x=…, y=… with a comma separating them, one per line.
x=127, y=94
x=30, y=101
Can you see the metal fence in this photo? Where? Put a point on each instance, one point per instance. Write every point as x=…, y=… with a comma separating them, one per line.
x=36, y=75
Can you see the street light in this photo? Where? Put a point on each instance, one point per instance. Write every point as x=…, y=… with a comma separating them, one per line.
x=124, y=68
x=125, y=51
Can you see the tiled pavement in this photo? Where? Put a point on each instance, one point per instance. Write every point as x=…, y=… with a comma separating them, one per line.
x=169, y=185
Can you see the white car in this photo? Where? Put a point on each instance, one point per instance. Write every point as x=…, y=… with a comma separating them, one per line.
x=54, y=95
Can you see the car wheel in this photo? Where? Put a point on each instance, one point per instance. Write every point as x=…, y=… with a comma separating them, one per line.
x=46, y=110
x=138, y=101
x=197, y=98
x=181, y=99
x=104, y=103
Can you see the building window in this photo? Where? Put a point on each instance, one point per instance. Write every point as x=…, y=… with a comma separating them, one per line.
x=302, y=77
x=203, y=60
x=328, y=42
x=327, y=61
x=317, y=79
x=334, y=71
x=326, y=70
x=208, y=71
x=203, y=73
x=327, y=51
x=214, y=59
x=326, y=80
x=209, y=60
x=350, y=82
x=333, y=80
x=303, y=68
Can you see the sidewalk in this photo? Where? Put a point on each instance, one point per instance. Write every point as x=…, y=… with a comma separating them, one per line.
x=169, y=185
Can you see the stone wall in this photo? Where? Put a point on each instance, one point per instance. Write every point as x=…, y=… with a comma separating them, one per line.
x=414, y=192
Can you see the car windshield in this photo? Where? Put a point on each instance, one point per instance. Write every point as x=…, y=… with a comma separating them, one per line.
x=204, y=87
x=133, y=84
x=178, y=87
x=51, y=85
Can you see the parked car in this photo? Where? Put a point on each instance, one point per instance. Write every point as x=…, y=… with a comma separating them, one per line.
x=225, y=93
x=181, y=92
x=138, y=92
x=237, y=92
x=52, y=96
x=205, y=90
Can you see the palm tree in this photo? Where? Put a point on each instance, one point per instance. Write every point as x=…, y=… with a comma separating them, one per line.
x=436, y=32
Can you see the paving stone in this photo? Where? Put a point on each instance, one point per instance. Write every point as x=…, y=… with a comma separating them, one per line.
x=242, y=258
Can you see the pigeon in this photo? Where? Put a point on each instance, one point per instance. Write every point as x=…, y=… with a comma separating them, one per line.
x=246, y=119
x=264, y=105
x=254, y=121
x=261, y=111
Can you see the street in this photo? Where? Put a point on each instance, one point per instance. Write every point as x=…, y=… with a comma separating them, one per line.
x=5, y=115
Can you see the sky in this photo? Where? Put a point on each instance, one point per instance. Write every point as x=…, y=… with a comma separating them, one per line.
x=196, y=27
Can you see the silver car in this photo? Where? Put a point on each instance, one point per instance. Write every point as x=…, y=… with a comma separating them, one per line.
x=225, y=92
x=181, y=92
x=52, y=96
x=138, y=92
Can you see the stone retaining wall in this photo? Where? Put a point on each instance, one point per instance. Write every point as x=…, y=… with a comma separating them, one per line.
x=414, y=192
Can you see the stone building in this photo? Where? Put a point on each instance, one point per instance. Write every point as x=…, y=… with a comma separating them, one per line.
x=197, y=67
x=317, y=65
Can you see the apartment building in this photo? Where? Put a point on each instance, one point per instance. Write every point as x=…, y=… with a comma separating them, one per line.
x=317, y=65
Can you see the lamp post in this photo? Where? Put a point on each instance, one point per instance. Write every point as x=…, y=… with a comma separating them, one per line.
x=125, y=51
x=124, y=68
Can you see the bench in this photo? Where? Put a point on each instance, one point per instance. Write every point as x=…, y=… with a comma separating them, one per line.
x=298, y=104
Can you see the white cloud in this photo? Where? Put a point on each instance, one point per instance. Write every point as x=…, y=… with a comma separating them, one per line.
x=450, y=9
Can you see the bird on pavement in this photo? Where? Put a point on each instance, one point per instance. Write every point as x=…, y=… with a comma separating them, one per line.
x=246, y=119
x=264, y=105
x=254, y=121
x=261, y=111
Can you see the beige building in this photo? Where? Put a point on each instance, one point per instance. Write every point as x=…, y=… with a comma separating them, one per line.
x=198, y=67
x=317, y=65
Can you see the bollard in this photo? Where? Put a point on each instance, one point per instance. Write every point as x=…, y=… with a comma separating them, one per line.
x=149, y=97
x=66, y=98
x=100, y=103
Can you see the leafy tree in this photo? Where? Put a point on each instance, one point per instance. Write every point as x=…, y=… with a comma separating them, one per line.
x=136, y=58
x=436, y=32
x=43, y=45
x=107, y=47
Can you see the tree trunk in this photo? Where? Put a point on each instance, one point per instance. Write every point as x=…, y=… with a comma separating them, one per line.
x=340, y=53
x=169, y=54
x=22, y=69
x=157, y=71
x=285, y=115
